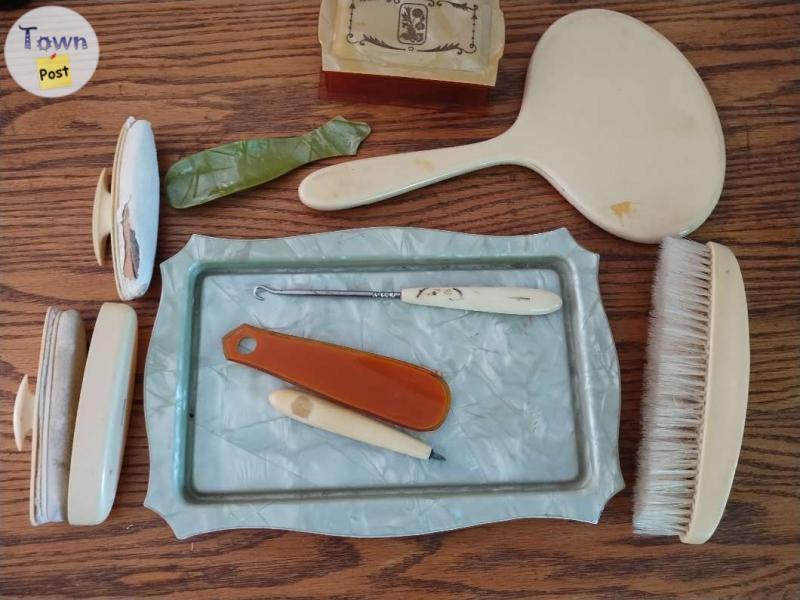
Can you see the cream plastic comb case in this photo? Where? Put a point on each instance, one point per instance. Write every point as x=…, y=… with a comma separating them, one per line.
x=126, y=209
x=78, y=415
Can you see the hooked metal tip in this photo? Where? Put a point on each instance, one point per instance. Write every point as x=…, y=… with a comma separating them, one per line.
x=436, y=456
x=259, y=290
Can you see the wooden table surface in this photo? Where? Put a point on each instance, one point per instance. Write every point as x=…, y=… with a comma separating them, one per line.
x=210, y=72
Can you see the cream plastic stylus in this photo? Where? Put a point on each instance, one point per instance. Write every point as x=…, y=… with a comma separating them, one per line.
x=499, y=300
x=328, y=416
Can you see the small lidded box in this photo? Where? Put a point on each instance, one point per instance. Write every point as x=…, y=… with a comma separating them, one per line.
x=416, y=50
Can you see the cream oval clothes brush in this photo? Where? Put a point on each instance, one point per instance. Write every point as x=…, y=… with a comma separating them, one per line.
x=323, y=414
x=613, y=116
x=698, y=366
x=126, y=204
x=499, y=300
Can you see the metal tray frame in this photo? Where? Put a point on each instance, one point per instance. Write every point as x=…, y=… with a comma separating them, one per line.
x=169, y=368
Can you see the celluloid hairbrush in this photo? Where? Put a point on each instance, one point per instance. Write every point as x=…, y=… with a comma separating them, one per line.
x=698, y=366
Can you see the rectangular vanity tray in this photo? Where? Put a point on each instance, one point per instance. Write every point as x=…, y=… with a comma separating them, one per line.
x=532, y=429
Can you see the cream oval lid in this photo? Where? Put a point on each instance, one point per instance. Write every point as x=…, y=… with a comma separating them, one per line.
x=126, y=208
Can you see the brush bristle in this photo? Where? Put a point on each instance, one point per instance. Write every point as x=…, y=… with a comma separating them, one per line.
x=675, y=384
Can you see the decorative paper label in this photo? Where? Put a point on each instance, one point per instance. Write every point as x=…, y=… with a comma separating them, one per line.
x=443, y=40
x=412, y=26
x=432, y=26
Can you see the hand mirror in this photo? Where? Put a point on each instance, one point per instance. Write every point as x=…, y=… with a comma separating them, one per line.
x=613, y=116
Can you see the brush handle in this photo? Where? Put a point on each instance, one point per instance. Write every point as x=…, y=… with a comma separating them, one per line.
x=727, y=385
x=359, y=182
x=333, y=418
x=501, y=300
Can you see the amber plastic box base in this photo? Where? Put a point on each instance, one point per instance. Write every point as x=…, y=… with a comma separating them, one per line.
x=380, y=89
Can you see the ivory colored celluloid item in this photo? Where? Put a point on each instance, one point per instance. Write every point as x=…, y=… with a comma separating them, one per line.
x=101, y=424
x=314, y=411
x=534, y=412
x=126, y=209
x=613, y=116
x=49, y=413
x=78, y=415
x=503, y=301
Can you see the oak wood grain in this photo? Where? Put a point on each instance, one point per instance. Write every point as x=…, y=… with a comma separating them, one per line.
x=208, y=72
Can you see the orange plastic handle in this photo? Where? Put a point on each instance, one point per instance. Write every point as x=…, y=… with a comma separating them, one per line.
x=387, y=388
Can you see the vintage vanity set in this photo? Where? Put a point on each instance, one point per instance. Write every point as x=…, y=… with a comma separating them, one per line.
x=399, y=381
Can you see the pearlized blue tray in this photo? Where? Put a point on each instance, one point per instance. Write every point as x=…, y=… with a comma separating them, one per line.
x=532, y=430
